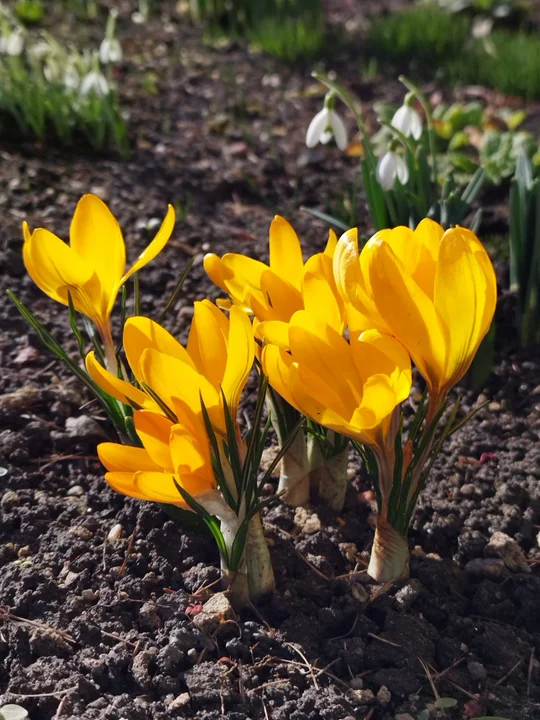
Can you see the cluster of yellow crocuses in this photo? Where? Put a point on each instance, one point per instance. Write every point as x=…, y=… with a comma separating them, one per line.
x=335, y=336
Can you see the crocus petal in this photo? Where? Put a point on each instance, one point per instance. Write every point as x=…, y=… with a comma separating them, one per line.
x=117, y=388
x=276, y=364
x=96, y=237
x=141, y=333
x=275, y=332
x=190, y=453
x=277, y=299
x=331, y=244
x=241, y=273
x=171, y=378
x=156, y=246
x=407, y=311
x=339, y=130
x=316, y=127
x=124, y=483
x=207, y=341
x=320, y=293
x=158, y=487
x=213, y=266
x=154, y=431
x=240, y=355
x=123, y=458
x=286, y=252
x=459, y=269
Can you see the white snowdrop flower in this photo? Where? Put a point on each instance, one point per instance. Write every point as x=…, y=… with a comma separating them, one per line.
x=14, y=43
x=391, y=166
x=94, y=83
x=72, y=79
x=51, y=70
x=40, y=50
x=408, y=121
x=327, y=124
x=110, y=51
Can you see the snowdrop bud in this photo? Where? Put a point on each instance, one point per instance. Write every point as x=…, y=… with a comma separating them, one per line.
x=110, y=51
x=327, y=124
x=40, y=50
x=94, y=83
x=391, y=166
x=51, y=70
x=407, y=120
x=14, y=43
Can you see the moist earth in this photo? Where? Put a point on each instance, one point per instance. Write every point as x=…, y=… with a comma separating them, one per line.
x=99, y=626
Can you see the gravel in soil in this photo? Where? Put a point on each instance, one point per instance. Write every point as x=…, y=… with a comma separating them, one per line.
x=107, y=625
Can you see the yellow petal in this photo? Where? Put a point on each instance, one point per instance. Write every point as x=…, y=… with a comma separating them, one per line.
x=97, y=239
x=190, y=454
x=141, y=333
x=376, y=353
x=124, y=483
x=119, y=389
x=240, y=354
x=124, y=458
x=351, y=284
x=282, y=300
x=331, y=244
x=461, y=291
x=215, y=270
x=277, y=367
x=207, y=341
x=274, y=332
x=55, y=267
x=240, y=273
x=378, y=403
x=154, y=431
x=408, y=312
x=320, y=292
x=156, y=246
x=171, y=378
x=285, y=252
x=158, y=487
x=327, y=355
x=317, y=399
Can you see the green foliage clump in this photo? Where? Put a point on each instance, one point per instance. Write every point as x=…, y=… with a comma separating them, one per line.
x=426, y=37
x=292, y=30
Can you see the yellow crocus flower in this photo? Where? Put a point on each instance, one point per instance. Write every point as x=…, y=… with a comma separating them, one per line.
x=351, y=387
x=215, y=363
x=92, y=268
x=171, y=451
x=434, y=291
x=274, y=292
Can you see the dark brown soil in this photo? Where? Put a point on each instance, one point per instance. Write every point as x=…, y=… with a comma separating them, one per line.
x=91, y=629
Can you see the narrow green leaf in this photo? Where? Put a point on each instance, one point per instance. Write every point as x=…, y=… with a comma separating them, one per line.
x=177, y=289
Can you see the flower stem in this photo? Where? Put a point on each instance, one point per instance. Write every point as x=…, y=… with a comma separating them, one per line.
x=260, y=573
x=294, y=472
x=110, y=349
x=389, y=559
x=328, y=476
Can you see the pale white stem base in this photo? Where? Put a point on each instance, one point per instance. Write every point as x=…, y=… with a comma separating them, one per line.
x=389, y=559
x=294, y=472
x=260, y=573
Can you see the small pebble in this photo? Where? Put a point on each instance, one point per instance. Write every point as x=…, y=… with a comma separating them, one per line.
x=476, y=670
x=75, y=491
x=114, y=533
x=10, y=500
x=384, y=695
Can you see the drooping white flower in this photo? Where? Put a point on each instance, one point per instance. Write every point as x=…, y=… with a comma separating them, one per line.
x=94, y=83
x=72, y=79
x=39, y=50
x=390, y=167
x=14, y=43
x=408, y=121
x=327, y=124
x=110, y=51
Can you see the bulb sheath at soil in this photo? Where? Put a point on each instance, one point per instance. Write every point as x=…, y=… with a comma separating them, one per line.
x=328, y=476
x=389, y=559
x=261, y=578
x=294, y=472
